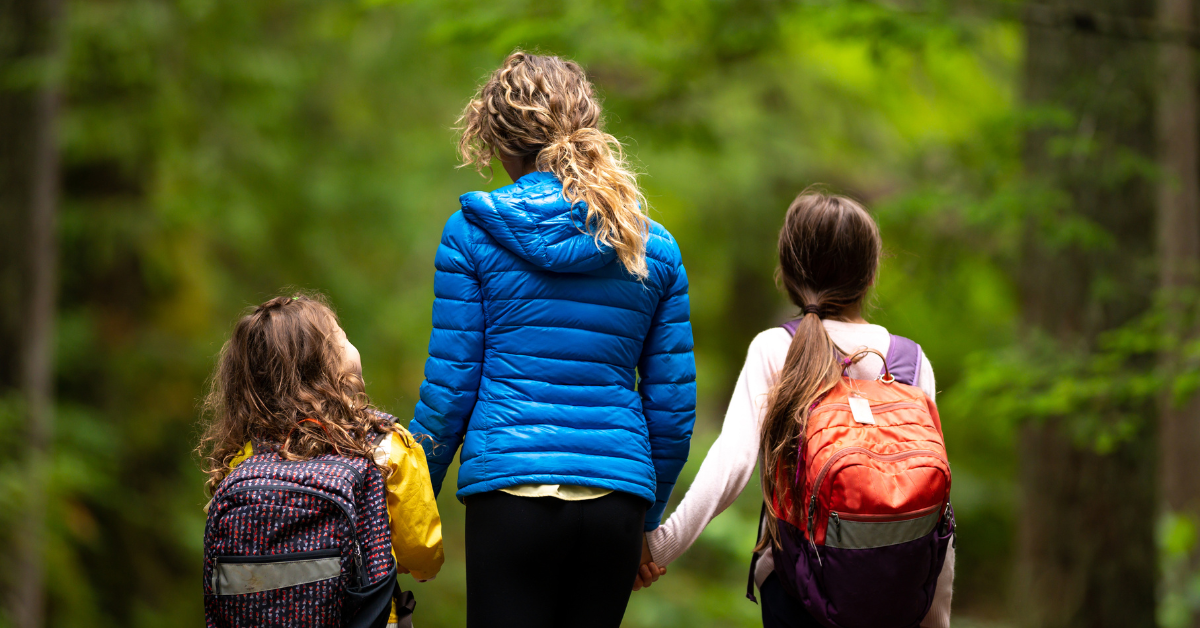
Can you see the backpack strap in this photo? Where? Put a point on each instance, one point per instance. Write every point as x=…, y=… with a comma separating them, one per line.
x=903, y=356
x=379, y=436
x=904, y=360
x=762, y=517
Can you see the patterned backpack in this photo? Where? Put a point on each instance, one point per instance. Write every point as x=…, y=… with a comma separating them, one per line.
x=299, y=544
x=867, y=550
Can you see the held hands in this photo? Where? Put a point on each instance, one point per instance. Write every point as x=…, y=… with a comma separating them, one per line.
x=649, y=571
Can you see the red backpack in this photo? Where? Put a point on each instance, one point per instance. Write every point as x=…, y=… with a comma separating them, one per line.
x=868, y=547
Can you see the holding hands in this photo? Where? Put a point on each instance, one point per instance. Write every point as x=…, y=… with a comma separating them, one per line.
x=649, y=571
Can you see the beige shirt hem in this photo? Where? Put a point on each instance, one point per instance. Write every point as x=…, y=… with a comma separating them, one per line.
x=566, y=492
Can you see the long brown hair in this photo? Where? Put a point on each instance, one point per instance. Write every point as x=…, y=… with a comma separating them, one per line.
x=544, y=108
x=829, y=250
x=283, y=364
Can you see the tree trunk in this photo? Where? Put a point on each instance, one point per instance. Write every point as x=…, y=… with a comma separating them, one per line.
x=1087, y=551
x=1179, y=264
x=30, y=179
x=1179, y=246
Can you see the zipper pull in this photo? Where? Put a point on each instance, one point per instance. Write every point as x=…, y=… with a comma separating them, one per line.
x=947, y=527
x=358, y=562
x=812, y=531
x=835, y=526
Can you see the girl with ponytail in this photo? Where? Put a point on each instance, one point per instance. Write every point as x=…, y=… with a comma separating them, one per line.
x=560, y=359
x=829, y=251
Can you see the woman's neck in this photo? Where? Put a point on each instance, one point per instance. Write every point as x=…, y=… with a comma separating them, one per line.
x=517, y=167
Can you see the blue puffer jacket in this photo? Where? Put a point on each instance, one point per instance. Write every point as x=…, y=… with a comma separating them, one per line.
x=548, y=362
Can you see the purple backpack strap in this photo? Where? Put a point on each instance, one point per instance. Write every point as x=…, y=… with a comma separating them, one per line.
x=904, y=360
x=903, y=356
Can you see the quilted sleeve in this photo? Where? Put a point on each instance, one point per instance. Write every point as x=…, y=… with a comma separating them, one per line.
x=455, y=362
x=667, y=384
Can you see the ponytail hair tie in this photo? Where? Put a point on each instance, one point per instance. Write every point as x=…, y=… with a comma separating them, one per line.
x=813, y=309
x=574, y=136
x=323, y=429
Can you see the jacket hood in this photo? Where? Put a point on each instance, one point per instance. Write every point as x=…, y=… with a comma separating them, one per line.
x=532, y=219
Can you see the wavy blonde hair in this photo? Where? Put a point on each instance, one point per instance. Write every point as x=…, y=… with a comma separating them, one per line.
x=282, y=365
x=544, y=108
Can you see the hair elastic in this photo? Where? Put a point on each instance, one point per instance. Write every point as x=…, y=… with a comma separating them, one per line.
x=323, y=429
x=813, y=309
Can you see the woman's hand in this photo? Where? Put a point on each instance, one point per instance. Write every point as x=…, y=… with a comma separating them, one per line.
x=649, y=571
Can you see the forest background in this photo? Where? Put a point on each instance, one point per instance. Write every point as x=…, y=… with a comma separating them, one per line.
x=165, y=164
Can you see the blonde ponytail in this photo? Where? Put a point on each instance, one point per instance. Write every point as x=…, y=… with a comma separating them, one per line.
x=543, y=108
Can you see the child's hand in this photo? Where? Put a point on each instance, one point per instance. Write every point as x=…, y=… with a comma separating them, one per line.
x=648, y=574
x=649, y=571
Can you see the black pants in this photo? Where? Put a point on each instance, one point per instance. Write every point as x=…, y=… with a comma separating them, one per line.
x=780, y=610
x=544, y=562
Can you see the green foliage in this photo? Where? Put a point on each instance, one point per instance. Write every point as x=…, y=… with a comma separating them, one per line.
x=217, y=152
x=1103, y=393
x=1181, y=583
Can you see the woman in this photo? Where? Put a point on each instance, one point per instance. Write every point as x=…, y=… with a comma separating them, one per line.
x=560, y=358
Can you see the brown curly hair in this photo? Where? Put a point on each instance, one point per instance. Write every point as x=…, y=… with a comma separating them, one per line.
x=282, y=365
x=543, y=108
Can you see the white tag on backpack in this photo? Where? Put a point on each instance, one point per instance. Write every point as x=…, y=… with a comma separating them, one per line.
x=860, y=407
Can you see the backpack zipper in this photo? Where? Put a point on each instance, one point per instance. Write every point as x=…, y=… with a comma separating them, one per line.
x=274, y=558
x=296, y=489
x=812, y=503
x=883, y=407
x=358, y=562
x=836, y=518
x=917, y=514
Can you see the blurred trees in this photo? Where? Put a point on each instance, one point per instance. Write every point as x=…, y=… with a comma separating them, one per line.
x=1179, y=268
x=30, y=50
x=216, y=152
x=1087, y=526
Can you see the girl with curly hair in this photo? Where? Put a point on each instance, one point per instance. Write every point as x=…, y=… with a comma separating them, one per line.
x=288, y=381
